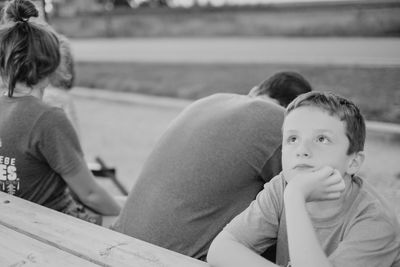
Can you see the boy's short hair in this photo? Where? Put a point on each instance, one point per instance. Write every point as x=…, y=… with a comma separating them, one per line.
x=340, y=107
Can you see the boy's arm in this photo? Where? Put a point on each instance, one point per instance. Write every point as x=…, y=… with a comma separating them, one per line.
x=226, y=250
x=304, y=247
x=252, y=231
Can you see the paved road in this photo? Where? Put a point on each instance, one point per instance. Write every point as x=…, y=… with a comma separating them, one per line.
x=348, y=51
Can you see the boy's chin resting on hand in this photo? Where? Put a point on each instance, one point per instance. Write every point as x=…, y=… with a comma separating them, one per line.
x=322, y=184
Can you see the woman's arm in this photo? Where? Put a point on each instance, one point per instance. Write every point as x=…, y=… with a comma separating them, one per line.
x=91, y=193
x=54, y=137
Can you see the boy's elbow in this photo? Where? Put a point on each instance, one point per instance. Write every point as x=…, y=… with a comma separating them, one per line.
x=213, y=252
x=217, y=251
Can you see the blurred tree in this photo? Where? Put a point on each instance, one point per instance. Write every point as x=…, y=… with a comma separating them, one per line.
x=39, y=3
x=70, y=8
x=121, y=3
x=155, y=3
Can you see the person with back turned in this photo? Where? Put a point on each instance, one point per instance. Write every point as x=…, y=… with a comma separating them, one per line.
x=208, y=166
x=41, y=158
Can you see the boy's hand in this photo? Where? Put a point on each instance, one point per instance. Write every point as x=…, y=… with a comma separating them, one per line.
x=323, y=184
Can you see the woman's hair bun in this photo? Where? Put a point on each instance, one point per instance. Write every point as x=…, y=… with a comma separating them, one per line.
x=20, y=10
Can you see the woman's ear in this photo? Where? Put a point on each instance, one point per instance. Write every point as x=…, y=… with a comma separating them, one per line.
x=355, y=162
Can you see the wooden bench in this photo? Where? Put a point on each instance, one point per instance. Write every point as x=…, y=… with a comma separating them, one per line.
x=32, y=235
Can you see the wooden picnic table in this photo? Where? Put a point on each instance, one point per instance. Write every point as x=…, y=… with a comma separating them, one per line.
x=33, y=235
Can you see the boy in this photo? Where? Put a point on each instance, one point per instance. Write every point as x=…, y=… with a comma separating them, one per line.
x=317, y=211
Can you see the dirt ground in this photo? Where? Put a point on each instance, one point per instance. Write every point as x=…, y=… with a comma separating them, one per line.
x=123, y=135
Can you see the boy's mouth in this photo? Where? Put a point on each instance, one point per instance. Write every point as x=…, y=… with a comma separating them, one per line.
x=303, y=167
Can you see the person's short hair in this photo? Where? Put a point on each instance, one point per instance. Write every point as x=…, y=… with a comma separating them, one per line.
x=340, y=107
x=284, y=87
x=29, y=51
x=64, y=76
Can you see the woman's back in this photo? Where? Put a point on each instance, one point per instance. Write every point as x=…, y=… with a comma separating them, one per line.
x=31, y=156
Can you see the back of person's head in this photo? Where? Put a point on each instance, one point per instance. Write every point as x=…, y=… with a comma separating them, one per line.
x=340, y=107
x=64, y=76
x=29, y=51
x=284, y=87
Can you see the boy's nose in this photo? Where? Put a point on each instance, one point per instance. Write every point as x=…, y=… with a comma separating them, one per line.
x=303, y=154
x=303, y=150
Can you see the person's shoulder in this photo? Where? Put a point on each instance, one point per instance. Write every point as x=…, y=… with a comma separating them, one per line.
x=371, y=203
x=369, y=195
x=265, y=111
x=272, y=194
x=216, y=101
x=34, y=105
x=267, y=104
x=52, y=116
x=278, y=180
x=276, y=184
x=258, y=104
x=221, y=96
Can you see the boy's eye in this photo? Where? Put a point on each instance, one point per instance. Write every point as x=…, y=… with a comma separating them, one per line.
x=291, y=139
x=323, y=139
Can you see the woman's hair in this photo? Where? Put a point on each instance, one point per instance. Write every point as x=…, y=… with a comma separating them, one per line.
x=340, y=107
x=29, y=51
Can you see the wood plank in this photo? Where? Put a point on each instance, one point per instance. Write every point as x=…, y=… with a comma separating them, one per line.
x=17, y=249
x=88, y=241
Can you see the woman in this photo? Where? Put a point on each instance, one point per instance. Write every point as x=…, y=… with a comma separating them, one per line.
x=40, y=154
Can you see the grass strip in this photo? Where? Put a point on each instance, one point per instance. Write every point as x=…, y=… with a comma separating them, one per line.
x=375, y=90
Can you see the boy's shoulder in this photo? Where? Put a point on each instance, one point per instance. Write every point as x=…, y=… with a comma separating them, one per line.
x=274, y=189
x=278, y=183
x=370, y=197
x=365, y=201
x=377, y=213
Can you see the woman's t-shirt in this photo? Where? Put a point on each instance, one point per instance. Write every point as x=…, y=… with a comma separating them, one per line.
x=38, y=145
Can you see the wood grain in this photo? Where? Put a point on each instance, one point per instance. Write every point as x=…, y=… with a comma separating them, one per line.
x=84, y=240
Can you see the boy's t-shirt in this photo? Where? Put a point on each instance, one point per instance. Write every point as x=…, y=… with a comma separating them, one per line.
x=364, y=233
x=38, y=145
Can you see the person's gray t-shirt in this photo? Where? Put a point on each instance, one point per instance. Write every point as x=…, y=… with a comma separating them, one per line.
x=364, y=232
x=38, y=145
x=207, y=167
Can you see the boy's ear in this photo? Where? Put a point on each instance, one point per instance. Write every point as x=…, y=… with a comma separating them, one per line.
x=355, y=162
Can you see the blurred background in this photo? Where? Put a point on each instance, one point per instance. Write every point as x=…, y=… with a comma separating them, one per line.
x=188, y=49
x=169, y=18
x=201, y=31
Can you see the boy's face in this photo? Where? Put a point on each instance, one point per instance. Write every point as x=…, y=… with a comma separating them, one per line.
x=313, y=139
